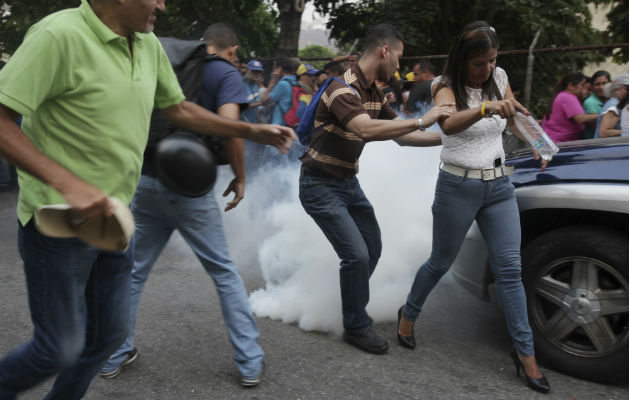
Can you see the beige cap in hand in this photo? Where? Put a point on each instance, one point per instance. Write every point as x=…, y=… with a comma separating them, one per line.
x=107, y=233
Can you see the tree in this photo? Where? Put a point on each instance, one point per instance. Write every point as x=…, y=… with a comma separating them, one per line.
x=618, y=28
x=255, y=23
x=290, y=19
x=316, y=51
x=564, y=22
x=430, y=27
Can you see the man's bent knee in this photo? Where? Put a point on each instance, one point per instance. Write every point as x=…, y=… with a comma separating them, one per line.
x=52, y=360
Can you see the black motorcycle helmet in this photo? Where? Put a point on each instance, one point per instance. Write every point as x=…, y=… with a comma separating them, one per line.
x=185, y=165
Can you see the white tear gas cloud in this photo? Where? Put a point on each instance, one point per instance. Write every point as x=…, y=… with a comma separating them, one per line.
x=271, y=230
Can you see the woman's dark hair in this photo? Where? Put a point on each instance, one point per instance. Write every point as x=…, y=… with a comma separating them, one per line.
x=475, y=39
x=573, y=77
x=599, y=74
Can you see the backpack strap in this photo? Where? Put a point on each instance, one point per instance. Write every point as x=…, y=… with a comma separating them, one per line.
x=306, y=129
x=347, y=84
x=286, y=79
x=334, y=78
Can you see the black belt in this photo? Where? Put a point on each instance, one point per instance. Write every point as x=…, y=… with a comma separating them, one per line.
x=316, y=173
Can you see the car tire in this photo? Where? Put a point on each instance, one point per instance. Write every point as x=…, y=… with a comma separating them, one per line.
x=576, y=280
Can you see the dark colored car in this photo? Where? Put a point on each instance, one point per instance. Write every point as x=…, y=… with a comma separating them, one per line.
x=574, y=222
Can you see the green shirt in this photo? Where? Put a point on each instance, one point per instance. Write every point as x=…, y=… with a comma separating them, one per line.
x=592, y=105
x=86, y=101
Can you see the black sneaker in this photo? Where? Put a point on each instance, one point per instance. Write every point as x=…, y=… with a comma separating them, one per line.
x=131, y=356
x=251, y=381
x=368, y=341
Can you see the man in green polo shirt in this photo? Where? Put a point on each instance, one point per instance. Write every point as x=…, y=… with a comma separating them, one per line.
x=86, y=81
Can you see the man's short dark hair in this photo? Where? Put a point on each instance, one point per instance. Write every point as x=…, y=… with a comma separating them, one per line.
x=288, y=64
x=380, y=35
x=426, y=65
x=334, y=66
x=221, y=36
x=330, y=64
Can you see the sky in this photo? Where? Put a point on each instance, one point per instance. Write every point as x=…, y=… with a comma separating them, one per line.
x=313, y=28
x=311, y=19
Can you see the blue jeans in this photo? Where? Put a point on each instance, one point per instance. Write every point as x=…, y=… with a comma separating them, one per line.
x=344, y=214
x=157, y=212
x=5, y=173
x=79, y=302
x=458, y=201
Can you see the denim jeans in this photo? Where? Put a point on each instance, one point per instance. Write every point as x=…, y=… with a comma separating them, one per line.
x=344, y=214
x=79, y=302
x=458, y=201
x=6, y=175
x=157, y=212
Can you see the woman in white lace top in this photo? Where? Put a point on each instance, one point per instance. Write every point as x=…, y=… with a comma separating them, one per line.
x=473, y=185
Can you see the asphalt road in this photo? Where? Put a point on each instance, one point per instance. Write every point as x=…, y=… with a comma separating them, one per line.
x=462, y=353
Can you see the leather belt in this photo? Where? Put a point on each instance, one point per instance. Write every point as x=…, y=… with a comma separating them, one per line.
x=488, y=174
x=315, y=173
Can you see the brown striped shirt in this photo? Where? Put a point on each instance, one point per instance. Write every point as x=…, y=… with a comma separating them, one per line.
x=334, y=149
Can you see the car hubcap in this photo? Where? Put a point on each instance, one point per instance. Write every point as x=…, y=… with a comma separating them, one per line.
x=581, y=305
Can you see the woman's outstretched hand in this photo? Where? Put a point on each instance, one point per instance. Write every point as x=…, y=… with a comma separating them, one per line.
x=504, y=108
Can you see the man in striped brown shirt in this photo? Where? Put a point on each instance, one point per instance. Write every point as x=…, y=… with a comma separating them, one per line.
x=348, y=116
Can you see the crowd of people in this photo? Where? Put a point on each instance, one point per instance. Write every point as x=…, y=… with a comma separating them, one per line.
x=586, y=108
x=409, y=96
x=577, y=108
x=103, y=56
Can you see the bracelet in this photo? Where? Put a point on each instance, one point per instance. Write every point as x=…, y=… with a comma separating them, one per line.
x=483, y=109
x=420, y=125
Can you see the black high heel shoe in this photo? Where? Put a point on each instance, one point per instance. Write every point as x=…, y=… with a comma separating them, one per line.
x=405, y=341
x=538, y=384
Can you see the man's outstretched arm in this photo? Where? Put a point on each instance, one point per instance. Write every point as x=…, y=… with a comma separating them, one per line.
x=197, y=119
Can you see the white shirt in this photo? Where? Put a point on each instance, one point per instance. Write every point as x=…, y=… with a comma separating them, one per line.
x=480, y=144
x=624, y=121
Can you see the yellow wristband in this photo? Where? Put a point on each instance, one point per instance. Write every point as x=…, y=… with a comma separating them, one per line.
x=483, y=109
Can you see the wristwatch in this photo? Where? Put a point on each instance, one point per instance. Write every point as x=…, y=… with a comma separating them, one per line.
x=420, y=125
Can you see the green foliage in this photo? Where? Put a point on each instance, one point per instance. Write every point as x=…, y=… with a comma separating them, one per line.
x=23, y=15
x=253, y=20
x=430, y=27
x=350, y=21
x=618, y=28
x=316, y=51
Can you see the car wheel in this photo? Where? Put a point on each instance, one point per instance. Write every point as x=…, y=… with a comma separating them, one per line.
x=576, y=280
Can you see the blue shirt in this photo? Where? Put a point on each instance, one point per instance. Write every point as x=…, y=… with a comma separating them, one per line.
x=253, y=95
x=221, y=84
x=281, y=95
x=612, y=102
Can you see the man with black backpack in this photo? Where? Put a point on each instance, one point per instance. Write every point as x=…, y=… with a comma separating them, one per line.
x=158, y=211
